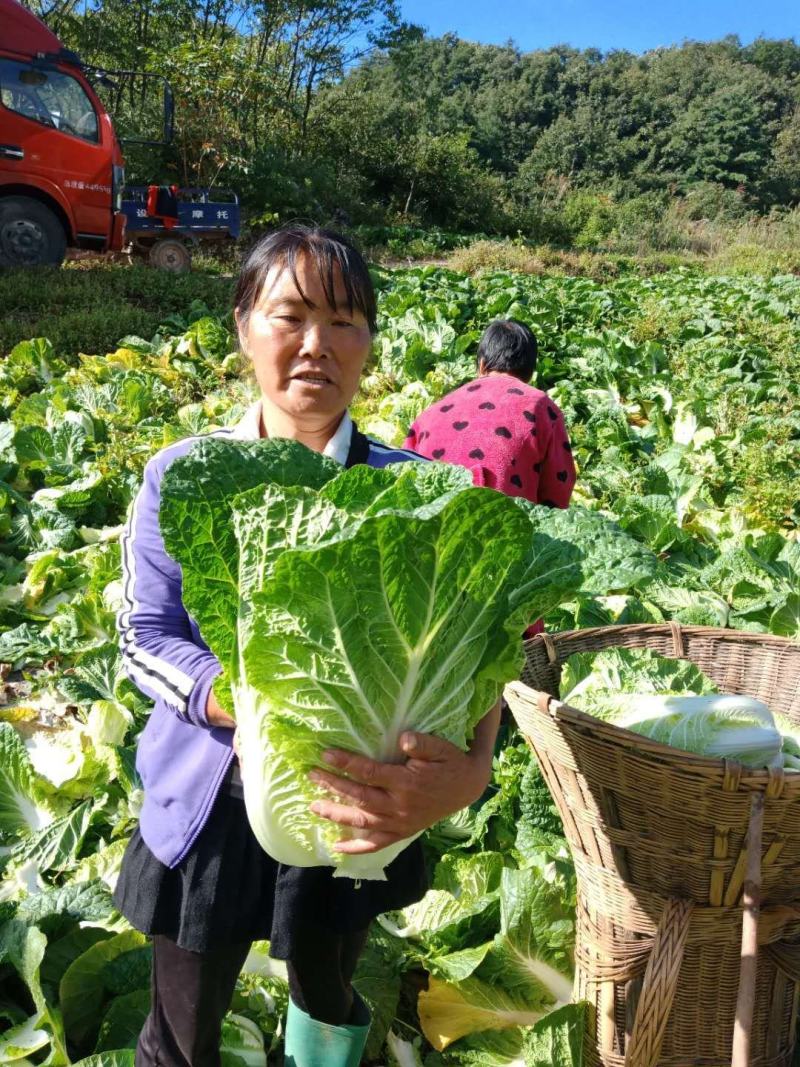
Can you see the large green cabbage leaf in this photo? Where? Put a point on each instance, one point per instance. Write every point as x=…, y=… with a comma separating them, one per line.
x=195, y=519
x=348, y=609
x=515, y=980
x=22, y=807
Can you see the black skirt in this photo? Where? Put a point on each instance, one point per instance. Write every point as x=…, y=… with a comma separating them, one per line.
x=227, y=889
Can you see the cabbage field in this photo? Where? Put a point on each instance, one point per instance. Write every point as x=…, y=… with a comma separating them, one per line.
x=681, y=393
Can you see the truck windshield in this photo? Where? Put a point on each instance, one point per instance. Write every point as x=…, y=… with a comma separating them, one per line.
x=49, y=97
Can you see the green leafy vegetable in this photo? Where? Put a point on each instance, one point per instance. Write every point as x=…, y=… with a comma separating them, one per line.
x=21, y=808
x=348, y=610
x=557, y=1040
x=658, y=698
x=23, y=1040
x=538, y=814
x=512, y=981
x=680, y=396
x=242, y=1043
x=84, y=987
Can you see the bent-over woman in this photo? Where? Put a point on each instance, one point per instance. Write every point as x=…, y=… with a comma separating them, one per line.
x=509, y=433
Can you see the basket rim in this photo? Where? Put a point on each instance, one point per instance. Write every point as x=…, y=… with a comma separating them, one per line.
x=668, y=629
x=678, y=760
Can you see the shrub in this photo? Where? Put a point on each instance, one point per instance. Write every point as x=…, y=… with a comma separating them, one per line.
x=710, y=200
x=589, y=217
x=496, y=255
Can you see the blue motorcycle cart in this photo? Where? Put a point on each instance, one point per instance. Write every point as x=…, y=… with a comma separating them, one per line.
x=166, y=223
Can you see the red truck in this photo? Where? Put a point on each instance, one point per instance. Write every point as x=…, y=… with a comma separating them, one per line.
x=61, y=166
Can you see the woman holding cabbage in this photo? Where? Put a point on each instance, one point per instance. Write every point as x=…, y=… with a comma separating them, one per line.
x=194, y=877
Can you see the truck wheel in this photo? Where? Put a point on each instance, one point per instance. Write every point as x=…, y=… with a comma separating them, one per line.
x=31, y=235
x=170, y=255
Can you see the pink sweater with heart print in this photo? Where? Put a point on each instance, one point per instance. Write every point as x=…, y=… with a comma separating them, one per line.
x=511, y=435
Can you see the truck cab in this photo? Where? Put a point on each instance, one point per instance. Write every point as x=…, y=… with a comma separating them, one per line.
x=61, y=166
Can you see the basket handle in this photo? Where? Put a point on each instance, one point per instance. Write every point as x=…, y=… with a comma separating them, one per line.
x=678, y=646
x=550, y=648
x=751, y=908
x=659, y=984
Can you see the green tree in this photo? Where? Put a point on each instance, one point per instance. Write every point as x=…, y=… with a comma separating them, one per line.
x=786, y=155
x=308, y=106
x=727, y=136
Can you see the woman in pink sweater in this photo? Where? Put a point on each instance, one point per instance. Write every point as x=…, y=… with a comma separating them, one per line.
x=510, y=434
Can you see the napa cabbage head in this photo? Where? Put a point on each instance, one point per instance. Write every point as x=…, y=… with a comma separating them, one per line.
x=347, y=606
x=672, y=701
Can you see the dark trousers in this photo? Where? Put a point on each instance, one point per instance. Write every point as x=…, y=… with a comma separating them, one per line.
x=191, y=992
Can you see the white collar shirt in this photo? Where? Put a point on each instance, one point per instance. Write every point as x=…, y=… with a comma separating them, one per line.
x=248, y=428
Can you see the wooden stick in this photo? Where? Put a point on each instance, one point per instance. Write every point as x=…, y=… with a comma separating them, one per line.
x=751, y=905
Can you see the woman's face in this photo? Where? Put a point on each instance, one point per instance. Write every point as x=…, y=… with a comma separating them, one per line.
x=307, y=360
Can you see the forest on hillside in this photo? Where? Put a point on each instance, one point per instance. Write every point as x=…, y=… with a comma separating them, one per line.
x=340, y=109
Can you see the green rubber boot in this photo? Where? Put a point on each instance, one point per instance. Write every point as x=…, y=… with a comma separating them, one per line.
x=311, y=1043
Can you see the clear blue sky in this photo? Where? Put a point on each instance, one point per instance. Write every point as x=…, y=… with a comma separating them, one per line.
x=636, y=25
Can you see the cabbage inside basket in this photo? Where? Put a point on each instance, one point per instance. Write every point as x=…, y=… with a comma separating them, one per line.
x=688, y=888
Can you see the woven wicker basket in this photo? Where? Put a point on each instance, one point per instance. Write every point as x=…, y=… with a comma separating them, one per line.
x=674, y=955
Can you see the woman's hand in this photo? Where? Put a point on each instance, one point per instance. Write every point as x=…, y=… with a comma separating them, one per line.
x=388, y=801
x=216, y=714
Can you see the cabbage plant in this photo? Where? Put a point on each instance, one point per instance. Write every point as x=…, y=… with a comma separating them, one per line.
x=347, y=606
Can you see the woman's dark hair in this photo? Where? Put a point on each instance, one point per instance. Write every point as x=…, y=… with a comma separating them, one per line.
x=508, y=346
x=327, y=250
